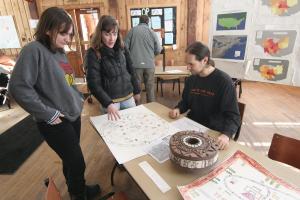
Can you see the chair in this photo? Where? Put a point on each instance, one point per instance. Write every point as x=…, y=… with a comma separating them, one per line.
x=285, y=149
x=164, y=79
x=242, y=107
x=238, y=82
x=89, y=94
x=4, y=97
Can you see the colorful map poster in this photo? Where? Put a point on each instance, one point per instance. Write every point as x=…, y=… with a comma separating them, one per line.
x=271, y=69
x=231, y=21
x=276, y=43
x=231, y=47
x=282, y=7
x=240, y=178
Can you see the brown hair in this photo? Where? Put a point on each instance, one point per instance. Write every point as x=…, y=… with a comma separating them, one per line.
x=54, y=20
x=200, y=51
x=144, y=19
x=106, y=23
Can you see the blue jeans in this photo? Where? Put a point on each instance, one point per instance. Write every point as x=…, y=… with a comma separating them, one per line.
x=129, y=103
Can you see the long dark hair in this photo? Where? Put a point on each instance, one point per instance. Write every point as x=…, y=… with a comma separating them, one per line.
x=106, y=23
x=200, y=51
x=54, y=20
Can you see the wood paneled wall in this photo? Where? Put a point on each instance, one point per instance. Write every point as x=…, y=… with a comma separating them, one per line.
x=197, y=26
x=20, y=11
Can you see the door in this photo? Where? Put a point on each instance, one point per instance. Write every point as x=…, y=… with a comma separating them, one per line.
x=85, y=21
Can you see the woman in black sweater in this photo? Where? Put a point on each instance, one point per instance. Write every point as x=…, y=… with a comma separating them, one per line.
x=110, y=74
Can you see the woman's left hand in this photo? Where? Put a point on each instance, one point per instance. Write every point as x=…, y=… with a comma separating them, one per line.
x=223, y=141
x=137, y=98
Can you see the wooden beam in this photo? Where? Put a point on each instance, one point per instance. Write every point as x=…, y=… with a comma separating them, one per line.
x=192, y=19
x=33, y=9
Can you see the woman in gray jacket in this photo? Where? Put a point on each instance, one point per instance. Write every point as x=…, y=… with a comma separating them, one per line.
x=42, y=84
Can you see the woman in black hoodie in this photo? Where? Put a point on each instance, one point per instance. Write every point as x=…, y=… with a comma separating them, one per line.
x=110, y=74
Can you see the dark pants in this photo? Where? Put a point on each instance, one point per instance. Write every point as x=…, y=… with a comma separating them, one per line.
x=64, y=139
x=146, y=75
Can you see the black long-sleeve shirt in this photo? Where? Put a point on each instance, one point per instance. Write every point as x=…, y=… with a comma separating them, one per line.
x=212, y=102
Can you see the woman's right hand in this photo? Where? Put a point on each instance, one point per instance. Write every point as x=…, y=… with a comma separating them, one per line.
x=112, y=112
x=57, y=120
x=174, y=113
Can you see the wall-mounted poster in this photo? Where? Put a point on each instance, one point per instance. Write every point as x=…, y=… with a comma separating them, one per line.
x=155, y=22
x=135, y=21
x=8, y=33
x=135, y=12
x=168, y=13
x=157, y=11
x=231, y=21
x=232, y=47
x=271, y=69
x=276, y=43
x=169, y=25
x=282, y=7
x=169, y=38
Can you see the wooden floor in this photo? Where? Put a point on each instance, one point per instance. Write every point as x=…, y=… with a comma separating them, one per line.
x=270, y=108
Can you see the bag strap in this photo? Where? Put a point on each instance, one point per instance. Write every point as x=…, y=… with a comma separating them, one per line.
x=98, y=55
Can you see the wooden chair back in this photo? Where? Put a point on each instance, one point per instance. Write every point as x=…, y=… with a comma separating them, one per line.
x=285, y=149
x=242, y=107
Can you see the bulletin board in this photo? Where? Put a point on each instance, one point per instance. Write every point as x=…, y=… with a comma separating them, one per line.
x=8, y=33
x=161, y=19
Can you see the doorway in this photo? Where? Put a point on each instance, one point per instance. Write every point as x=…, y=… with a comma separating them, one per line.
x=85, y=21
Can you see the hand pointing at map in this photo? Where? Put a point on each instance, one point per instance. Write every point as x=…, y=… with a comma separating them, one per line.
x=112, y=112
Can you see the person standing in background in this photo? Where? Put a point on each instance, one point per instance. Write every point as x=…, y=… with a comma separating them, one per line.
x=42, y=84
x=144, y=45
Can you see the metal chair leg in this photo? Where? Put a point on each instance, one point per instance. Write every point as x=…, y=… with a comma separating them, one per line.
x=178, y=86
x=161, y=88
x=112, y=174
x=157, y=80
x=240, y=90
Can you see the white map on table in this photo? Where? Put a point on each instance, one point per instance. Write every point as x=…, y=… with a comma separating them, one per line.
x=240, y=177
x=129, y=136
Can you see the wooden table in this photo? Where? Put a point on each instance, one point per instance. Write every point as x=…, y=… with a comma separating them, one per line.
x=174, y=176
x=172, y=71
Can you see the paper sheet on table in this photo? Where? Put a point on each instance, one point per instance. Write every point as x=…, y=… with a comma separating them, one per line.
x=138, y=128
x=155, y=177
x=160, y=151
x=188, y=124
x=240, y=178
x=174, y=71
